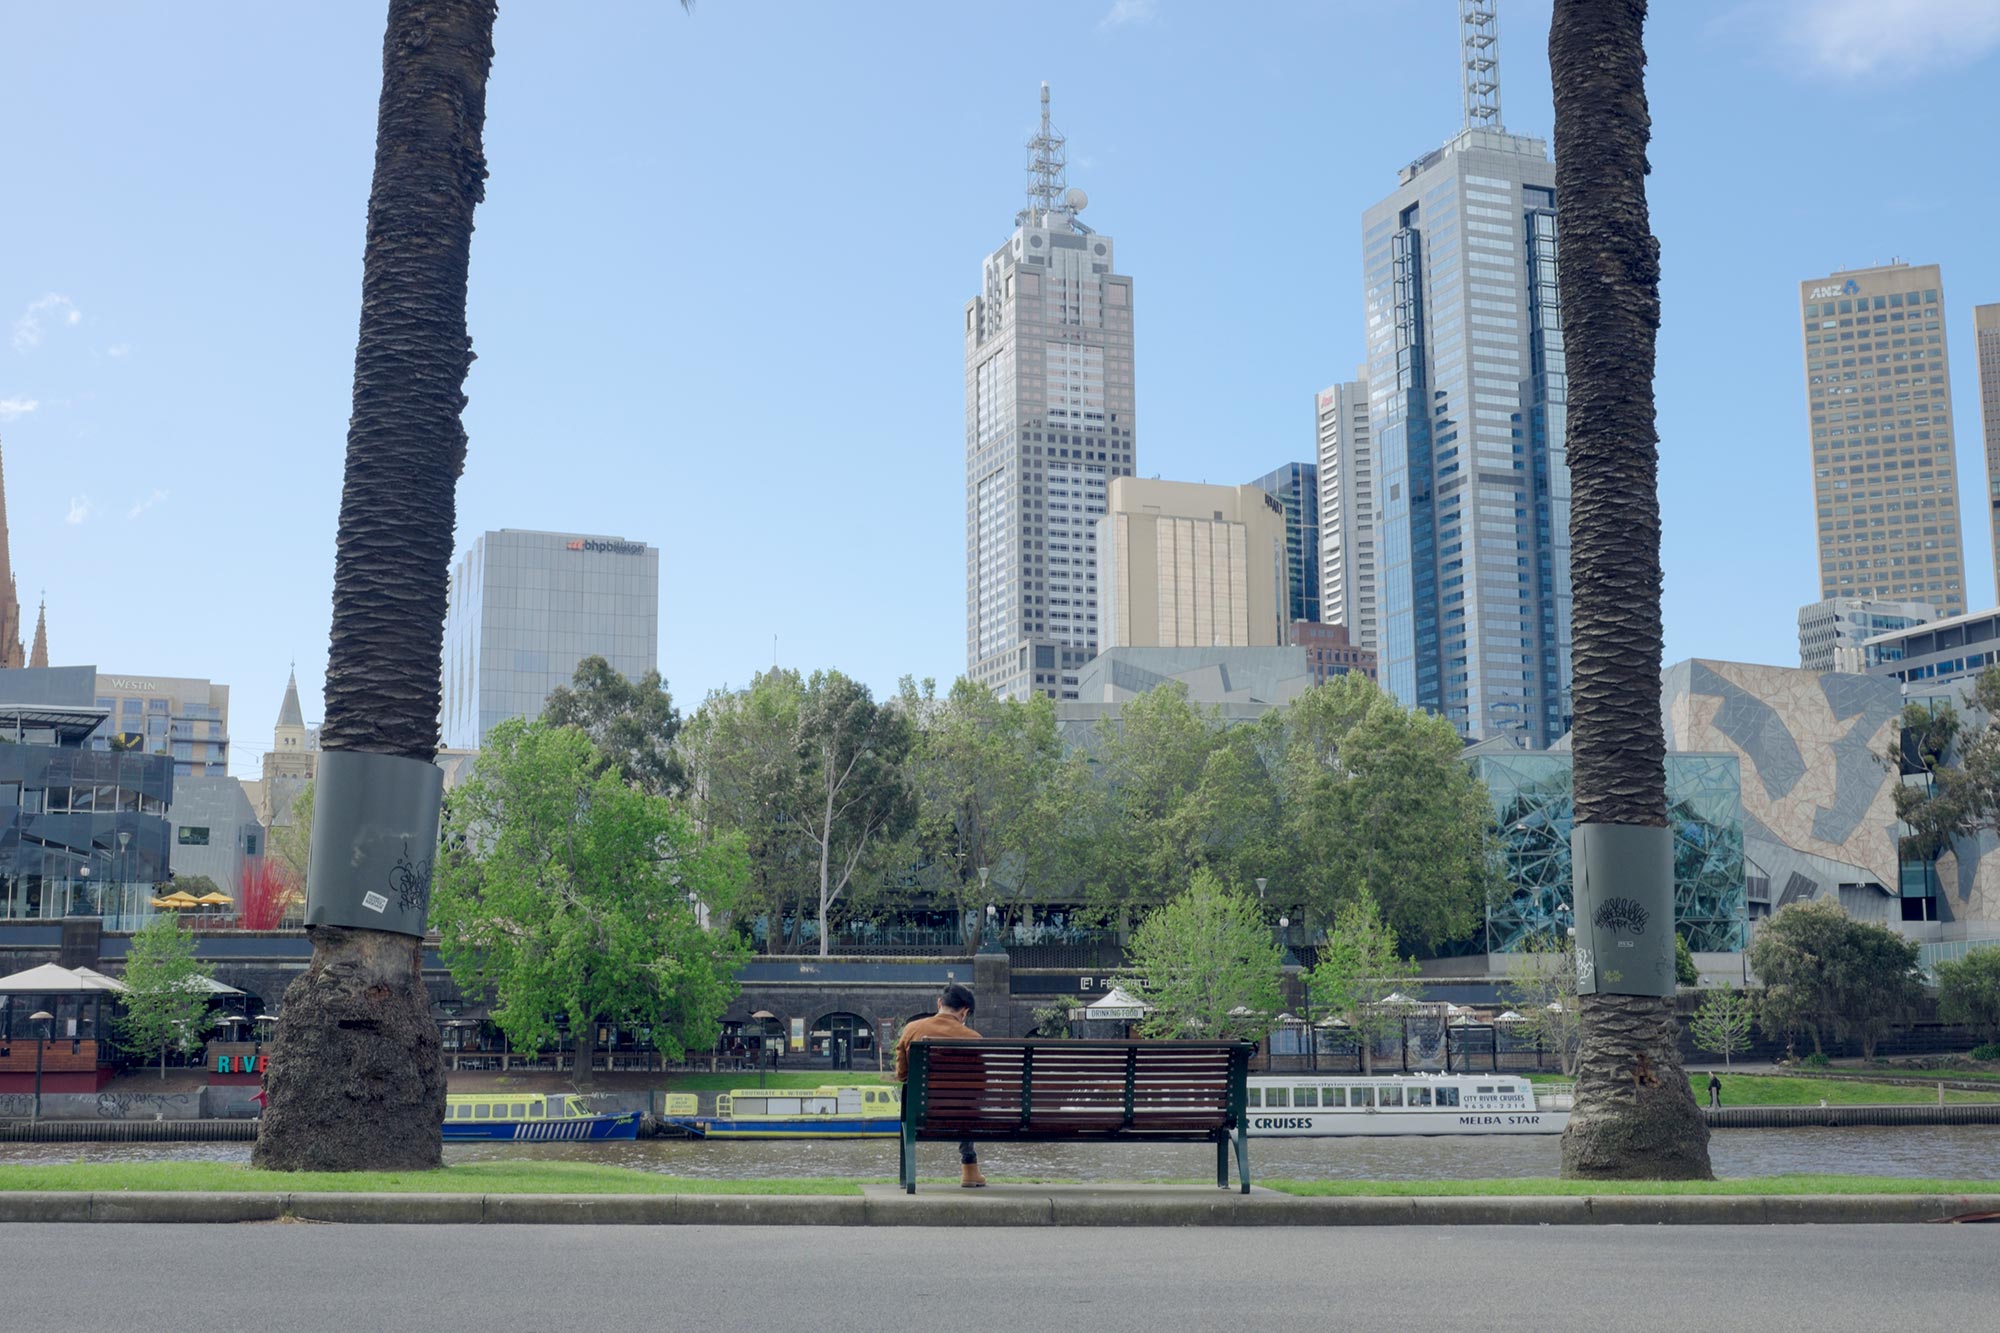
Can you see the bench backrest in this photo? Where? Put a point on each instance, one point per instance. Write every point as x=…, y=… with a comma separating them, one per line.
x=991, y=1088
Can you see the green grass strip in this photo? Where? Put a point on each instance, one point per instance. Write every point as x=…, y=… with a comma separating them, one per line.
x=1800, y=1184
x=1790, y=1090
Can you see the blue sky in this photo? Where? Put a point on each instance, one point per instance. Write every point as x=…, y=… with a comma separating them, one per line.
x=718, y=277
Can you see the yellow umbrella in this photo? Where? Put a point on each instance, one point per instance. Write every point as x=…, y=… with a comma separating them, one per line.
x=159, y=902
x=180, y=898
x=214, y=899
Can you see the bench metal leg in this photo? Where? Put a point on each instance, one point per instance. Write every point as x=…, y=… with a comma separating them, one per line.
x=909, y=1164
x=1243, y=1156
x=1222, y=1163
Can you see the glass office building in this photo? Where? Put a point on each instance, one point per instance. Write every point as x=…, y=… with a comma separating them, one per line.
x=1467, y=393
x=1296, y=486
x=83, y=832
x=526, y=607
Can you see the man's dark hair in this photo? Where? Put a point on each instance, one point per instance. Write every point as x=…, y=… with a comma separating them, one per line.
x=955, y=996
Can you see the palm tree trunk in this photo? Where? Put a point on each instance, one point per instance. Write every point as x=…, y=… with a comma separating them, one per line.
x=356, y=1078
x=1635, y=1115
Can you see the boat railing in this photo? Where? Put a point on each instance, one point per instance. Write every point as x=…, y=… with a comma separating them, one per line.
x=1555, y=1096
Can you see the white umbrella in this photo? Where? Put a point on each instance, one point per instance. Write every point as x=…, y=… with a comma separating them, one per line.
x=1510, y=1017
x=1117, y=1005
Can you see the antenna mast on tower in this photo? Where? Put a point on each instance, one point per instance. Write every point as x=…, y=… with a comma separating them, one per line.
x=1479, y=41
x=1047, y=167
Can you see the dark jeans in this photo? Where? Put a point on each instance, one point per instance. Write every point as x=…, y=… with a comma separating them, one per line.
x=968, y=1152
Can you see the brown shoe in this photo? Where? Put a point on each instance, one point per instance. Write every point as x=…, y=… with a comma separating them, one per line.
x=969, y=1177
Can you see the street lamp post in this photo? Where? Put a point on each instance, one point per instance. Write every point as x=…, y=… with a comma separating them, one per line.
x=42, y=1019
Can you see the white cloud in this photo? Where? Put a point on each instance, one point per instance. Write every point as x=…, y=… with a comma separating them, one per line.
x=79, y=509
x=118, y=349
x=28, y=328
x=1123, y=12
x=1853, y=38
x=141, y=506
x=16, y=407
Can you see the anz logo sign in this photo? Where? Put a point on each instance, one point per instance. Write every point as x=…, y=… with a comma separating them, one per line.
x=1848, y=288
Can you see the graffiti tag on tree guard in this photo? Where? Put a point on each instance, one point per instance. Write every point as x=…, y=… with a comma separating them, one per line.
x=1621, y=914
x=412, y=881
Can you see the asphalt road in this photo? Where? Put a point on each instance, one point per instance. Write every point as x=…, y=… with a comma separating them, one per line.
x=290, y=1277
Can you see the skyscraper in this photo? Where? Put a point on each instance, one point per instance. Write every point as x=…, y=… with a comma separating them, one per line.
x=1192, y=566
x=1467, y=390
x=1296, y=487
x=1986, y=333
x=1347, y=500
x=1878, y=391
x=1048, y=421
x=526, y=607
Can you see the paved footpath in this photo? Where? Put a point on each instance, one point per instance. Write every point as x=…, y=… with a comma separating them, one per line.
x=303, y=1278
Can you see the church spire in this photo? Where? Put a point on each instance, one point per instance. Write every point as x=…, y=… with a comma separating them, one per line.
x=40, y=656
x=289, y=714
x=11, y=654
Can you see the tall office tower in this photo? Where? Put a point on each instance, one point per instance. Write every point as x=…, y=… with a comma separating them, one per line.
x=1048, y=421
x=1885, y=483
x=1347, y=500
x=526, y=607
x=1192, y=566
x=1467, y=389
x=1986, y=331
x=1296, y=487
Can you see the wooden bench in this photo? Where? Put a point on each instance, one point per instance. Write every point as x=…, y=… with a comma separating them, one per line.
x=1044, y=1091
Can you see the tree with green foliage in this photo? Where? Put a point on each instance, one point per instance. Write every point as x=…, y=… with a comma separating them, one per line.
x=572, y=893
x=1685, y=972
x=849, y=797
x=1206, y=963
x=976, y=769
x=1360, y=967
x=740, y=757
x=632, y=722
x=163, y=1005
x=1969, y=991
x=1541, y=987
x=1828, y=975
x=1376, y=798
x=1722, y=1024
x=291, y=841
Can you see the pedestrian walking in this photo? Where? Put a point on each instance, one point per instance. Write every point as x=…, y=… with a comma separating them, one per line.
x=954, y=1008
x=1714, y=1090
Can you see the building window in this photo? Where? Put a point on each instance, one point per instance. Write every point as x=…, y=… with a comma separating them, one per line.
x=192, y=836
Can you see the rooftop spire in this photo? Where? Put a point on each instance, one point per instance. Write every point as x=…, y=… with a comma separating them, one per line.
x=1479, y=42
x=288, y=712
x=40, y=656
x=11, y=654
x=1048, y=165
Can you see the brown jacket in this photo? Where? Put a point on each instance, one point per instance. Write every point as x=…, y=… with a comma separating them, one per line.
x=937, y=1025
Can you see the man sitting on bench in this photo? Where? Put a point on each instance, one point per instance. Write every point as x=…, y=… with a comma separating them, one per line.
x=954, y=1007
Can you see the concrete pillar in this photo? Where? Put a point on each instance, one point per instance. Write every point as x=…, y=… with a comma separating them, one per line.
x=992, y=986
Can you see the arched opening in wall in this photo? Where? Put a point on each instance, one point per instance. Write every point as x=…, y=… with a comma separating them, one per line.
x=839, y=1038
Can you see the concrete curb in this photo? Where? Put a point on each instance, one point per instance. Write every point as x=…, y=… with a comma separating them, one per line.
x=1101, y=1208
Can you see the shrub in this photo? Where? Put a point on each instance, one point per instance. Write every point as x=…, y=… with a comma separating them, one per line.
x=1817, y=1060
x=1990, y=1051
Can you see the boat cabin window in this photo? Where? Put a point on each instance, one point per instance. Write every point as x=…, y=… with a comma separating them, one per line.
x=517, y=1111
x=461, y=1113
x=1420, y=1096
x=1391, y=1096
x=1253, y=1098
x=1333, y=1096
x=1361, y=1099
x=482, y=1113
x=1484, y=1088
x=1277, y=1097
x=1447, y=1096
x=1305, y=1096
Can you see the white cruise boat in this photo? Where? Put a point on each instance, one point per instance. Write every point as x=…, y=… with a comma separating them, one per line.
x=1320, y=1106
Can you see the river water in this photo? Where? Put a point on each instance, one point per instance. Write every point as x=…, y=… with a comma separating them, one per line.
x=1955, y=1152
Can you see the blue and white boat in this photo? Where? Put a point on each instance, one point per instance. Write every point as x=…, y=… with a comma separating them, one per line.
x=844, y=1112
x=532, y=1118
